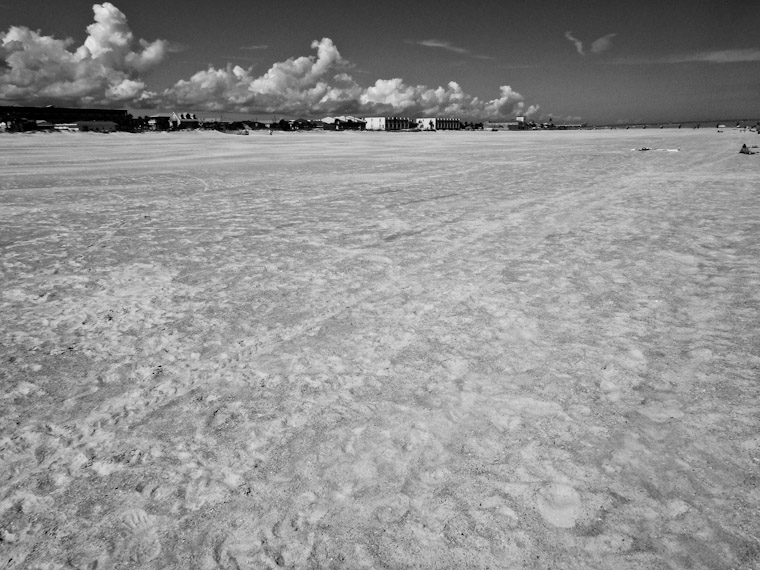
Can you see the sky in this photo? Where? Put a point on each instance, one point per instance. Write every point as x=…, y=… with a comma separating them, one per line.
x=592, y=61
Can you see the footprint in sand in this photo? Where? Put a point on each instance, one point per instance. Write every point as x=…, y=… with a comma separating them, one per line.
x=142, y=544
x=204, y=490
x=559, y=504
x=272, y=541
x=89, y=554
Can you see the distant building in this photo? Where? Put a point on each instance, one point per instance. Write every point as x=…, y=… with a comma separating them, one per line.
x=301, y=125
x=96, y=126
x=375, y=123
x=159, y=122
x=344, y=123
x=516, y=125
x=255, y=125
x=406, y=124
x=390, y=123
x=448, y=124
x=25, y=116
x=42, y=125
x=184, y=121
x=67, y=128
x=439, y=124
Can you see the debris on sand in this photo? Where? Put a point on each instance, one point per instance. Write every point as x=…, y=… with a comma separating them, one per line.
x=643, y=148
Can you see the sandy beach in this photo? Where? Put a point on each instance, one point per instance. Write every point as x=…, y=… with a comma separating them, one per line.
x=383, y=351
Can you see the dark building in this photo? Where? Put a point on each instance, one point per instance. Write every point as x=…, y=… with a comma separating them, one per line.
x=399, y=123
x=184, y=121
x=96, y=126
x=448, y=124
x=301, y=125
x=57, y=115
x=159, y=122
x=343, y=123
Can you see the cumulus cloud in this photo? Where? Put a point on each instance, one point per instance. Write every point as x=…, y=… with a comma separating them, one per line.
x=393, y=95
x=296, y=84
x=509, y=104
x=320, y=84
x=390, y=96
x=109, y=68
x=106, y=69
x=597, y=46
x=212, y=89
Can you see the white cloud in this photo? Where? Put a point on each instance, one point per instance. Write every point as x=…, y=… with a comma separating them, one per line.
x=388, y=96
x=448, y=46
x=212, y=89
x=110, y=66
x=111, y=42
x=597, y=46
x=719, y=56
x=296, y=74
x=320, y=84
x=106, y=68
x=291, y=86
x=578, y=44
x=509, y=104
x=602, y=44
x=745, y=55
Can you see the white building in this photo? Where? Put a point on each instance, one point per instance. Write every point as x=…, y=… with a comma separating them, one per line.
x=439, y=124
x=375, y=123
x=390, y=123
x=407, y=124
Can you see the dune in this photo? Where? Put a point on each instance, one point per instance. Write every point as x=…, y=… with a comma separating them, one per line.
x=379, y=351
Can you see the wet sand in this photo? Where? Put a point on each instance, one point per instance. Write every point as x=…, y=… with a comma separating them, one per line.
x=380, y=351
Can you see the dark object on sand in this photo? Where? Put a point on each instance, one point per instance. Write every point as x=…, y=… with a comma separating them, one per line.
x=745, y=150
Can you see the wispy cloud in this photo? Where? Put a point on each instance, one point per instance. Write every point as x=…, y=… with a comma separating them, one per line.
x=747, y=55
x=597, y=46
x=602, y=44
x=237, y=58
x=441, y=44
x=254, y=48
x=448, y=46
x=578, y=43
x=719, y=56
